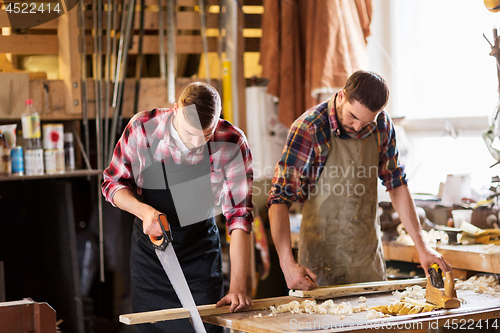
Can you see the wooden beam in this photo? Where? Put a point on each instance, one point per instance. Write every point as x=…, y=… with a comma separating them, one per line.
x=180, y=3
x=240, y=73
x=29, y=44
x=48, y=44
x=188, y=20
x=69, y=60
x=13, y=93
x=205, y=310
x=358, y=288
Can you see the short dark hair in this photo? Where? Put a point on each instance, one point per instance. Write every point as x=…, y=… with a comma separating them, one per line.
x=207, y=102
x=368, y=88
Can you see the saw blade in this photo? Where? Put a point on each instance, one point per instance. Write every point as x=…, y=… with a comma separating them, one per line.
x=170, y=263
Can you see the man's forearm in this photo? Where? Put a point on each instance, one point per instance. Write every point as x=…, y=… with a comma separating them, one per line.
x=279, y=219
x=125, y=200
x=239, y=254
x=405, y=207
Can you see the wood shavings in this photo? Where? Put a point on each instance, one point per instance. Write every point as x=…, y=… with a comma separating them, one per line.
x=362, y=299
x=404, y=307
x=481, y=285
x=431, y=238
x=416, y=292
x=310, y=307
x=373, y=314
x=258, y=316
x=342, y=317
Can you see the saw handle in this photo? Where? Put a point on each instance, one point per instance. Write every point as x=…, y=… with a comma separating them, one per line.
x=161, y=242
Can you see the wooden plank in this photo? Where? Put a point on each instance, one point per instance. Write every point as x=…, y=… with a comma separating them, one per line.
x=466, y=257
x=17, y=316
x=44, y=318
x=69, y=60
x=48, y=44
x=14, y=90
x=205, y=310
x=15, y=303
x=187, y=20
x=358, y=288
x=29, y=44
x=180, y=3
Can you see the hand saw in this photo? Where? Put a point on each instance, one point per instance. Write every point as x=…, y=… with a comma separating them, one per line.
x=166, y=254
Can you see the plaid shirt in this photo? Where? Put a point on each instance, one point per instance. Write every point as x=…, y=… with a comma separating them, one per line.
x=231, y=171
x=308, y=145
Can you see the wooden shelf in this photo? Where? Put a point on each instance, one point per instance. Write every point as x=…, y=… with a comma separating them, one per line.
x=66, y=174
x=463, y=257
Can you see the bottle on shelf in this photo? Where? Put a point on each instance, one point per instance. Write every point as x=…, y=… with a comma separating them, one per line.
x=69, y=151
x=5, y=165
x=33, y=151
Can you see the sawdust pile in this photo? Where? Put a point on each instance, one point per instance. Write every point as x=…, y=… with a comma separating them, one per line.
x=415, y=292
x=480, y=284
x=327, y=307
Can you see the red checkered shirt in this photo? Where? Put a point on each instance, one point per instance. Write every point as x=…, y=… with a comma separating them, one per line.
x=231, y=171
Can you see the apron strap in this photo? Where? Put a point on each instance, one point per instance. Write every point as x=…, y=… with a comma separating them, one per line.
x=153, y=148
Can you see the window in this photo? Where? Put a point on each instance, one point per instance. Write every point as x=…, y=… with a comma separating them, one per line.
x=437, y=63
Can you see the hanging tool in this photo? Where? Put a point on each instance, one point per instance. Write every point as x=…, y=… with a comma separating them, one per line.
x=168, y=259
x=112, y=71
x=83, y=80
x=161, y=37
x=97, y=34
x=121, y=73
x=138, y=64
x=201, y=4
x=172, y=50
x=107, y=75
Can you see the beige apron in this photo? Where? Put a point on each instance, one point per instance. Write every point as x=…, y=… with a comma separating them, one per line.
x=340, y=231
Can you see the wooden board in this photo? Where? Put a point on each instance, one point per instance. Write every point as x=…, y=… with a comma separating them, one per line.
x=357, y=288
x=205, y=310
x=467, y=257
x=14, y=90
x=478, y=307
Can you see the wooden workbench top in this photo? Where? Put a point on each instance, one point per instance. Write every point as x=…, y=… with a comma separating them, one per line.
x=478, y=307
x=481, y=258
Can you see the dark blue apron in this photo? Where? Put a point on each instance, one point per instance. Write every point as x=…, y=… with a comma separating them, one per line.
x=197, y=245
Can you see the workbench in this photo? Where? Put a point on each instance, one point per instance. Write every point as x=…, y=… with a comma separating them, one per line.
x=480, y=309
x=478, y=257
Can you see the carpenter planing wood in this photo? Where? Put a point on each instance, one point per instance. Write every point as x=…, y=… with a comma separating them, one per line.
x=205, y=310
x=357, y=288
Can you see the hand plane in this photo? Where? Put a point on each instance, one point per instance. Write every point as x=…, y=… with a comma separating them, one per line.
x=441, y=293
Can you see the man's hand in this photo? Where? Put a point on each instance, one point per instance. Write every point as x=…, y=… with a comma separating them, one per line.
x=429, y=256
x=150, y=223
x=239, y=301
x=125, y=200
x=299, y=277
